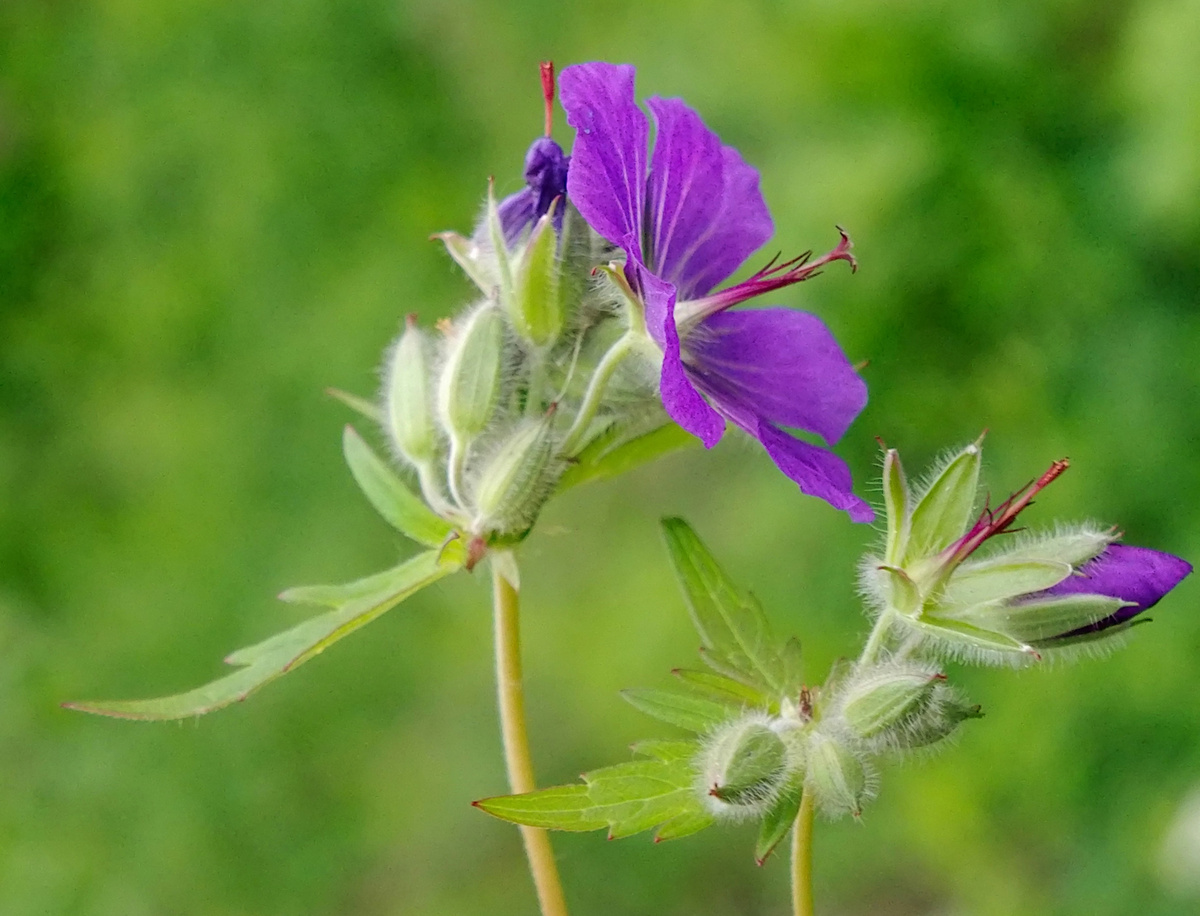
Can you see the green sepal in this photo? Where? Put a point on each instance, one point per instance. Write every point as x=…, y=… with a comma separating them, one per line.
x=998, y=580
x=626, y=798
x=389, y=496
x=464, y=250
x=897, y=502
x=359, y=405
x=678, y=707
x=970, y=636
x=610, y=455
x=265, y=661
x=944, y=511
x=1041, y=621
x=499, y=246
x=903, y=594
x=778, y=821
x=731, y=623
x=733, y=694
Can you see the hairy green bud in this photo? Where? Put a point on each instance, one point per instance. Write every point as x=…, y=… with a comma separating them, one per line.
x=884, y=698
x=408, y=411
x=516, y=480
x=536, y=308
x=743, y=767
x=470, y=383
x=839, y=780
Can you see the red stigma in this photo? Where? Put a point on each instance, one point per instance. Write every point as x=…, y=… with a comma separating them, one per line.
x=547, y=68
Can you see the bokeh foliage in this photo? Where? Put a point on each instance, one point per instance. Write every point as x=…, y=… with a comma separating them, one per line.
x=209, y=212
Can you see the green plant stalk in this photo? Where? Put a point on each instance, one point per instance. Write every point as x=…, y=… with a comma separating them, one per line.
x=595, y=392
x=802, y=897
x=514, y=734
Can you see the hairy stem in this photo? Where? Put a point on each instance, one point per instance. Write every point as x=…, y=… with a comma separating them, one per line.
x=511, y=694
x=802, y=898
x=877, y=639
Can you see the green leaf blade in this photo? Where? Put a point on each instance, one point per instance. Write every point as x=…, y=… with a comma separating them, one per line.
x=558, y=808
x=675, y=707
x=389, y=496
x=275, y=656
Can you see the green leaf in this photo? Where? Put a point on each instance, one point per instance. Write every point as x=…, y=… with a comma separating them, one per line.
x=559, y=808
x=337, y=595
x=264, y=662
x=733, y=694
x=675, y=707
x=731, y=624
x=944, y=511
x=667, y=751
x=778, y=821
x=390, y=497
x=627, y=799
x=610, y=455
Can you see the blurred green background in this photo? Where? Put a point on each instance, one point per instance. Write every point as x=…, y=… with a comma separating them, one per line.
x=209, y=212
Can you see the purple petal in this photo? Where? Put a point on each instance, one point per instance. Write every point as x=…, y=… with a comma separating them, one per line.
x=706, y=212
x=682, y=401
x=1138, y=575
x=779, y=364
x=607, y=178
x=516, y=214
x=818, y=472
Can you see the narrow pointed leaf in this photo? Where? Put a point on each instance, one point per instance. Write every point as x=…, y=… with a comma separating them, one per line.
x=264, y=662
x=337, y=595
x=667, y=751
x=683, y=825
x=722, y=689
x=685, y=709
x=559, y=808
x=778, y=821
x=731, y=623
x=944, y=511
x=390, y=497
x=792, y=659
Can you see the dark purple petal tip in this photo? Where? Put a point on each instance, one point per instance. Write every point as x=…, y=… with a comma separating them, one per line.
x=546, y=167
x=1138, y=575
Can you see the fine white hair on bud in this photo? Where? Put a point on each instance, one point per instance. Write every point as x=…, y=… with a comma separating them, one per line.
x=469, y=386
x=743, y=767
x=407, y=399
x=840, y=779
x=516, y=478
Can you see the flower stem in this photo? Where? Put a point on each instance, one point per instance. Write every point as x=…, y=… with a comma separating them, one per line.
x=878, y=637
x=802, y=898
x=517, y=759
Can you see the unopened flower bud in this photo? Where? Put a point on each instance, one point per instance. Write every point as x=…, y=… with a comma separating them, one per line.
x=944, y=712
x=840, y=781
x=517, y=479
x=536, y=306
x=882, y=699
x=408, y=410
x=470, y=382
x=743, y=767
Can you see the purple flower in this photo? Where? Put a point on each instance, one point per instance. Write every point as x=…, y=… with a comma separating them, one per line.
x=1138, y=575
x=686, y=217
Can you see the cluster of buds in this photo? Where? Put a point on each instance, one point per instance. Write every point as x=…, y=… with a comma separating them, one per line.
x=1038, y=593
x=828, y=744
x=490, y=410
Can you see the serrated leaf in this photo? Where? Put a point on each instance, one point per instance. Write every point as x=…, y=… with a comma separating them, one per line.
x=676, y=707
x=627, y=799
x=730, y=622
x=666, y=751
x=608, y=456
x=265, y=661
x=389, y=496
x=778, y=821
x=559, y=808
x=944, y=511
x=722, y=689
